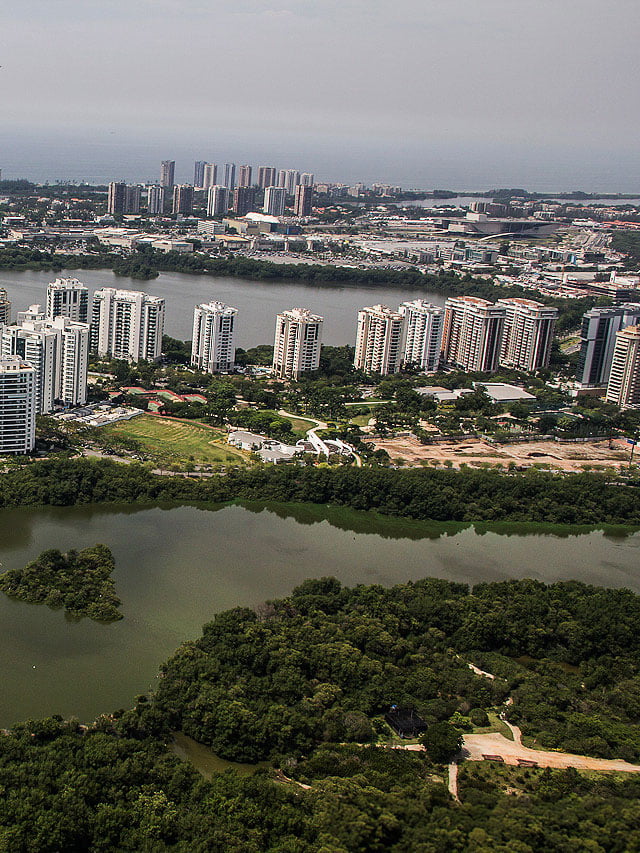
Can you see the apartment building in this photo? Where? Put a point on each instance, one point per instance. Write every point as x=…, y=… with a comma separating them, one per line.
x=424, y=324
x=472, y=334
x=213, y=348
x=380, y=340
x=68, y=297
x=217, y=201
x=623, y=388
x=5, y=307
x=297, y=343
x=598, y=339
x=17, y=405
x=127, y=324
x=527, y=335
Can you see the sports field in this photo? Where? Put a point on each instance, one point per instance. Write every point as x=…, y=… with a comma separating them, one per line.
x=176, y=441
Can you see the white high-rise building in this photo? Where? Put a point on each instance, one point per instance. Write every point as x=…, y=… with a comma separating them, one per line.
x=282, y=178
x=292, y=179
x=306, y=179
x=213, y=348
x=623, y=388
x=274, y=199
x=379, y=340
x=155, y=200
x=17, y=405
x=127, y=324
x=58, y=350
x=68, y=297
x=298, y=339
x=210, y=176
x=230, y=176
x=424, y=325
x=167, y=173
x=528, y=333
x=5, y=307
x=598, y=339
x=198, y=174
x=472, y=334
x=244, y=176
x=217, y=201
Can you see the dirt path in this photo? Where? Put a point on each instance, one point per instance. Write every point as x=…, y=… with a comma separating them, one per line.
x=453, y=780
x=475, y=747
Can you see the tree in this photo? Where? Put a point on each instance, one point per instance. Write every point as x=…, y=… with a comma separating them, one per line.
x=441, y=741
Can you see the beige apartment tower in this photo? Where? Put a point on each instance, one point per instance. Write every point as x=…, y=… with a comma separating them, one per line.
x=380, y=340
x=298, y=339
x=528, y=333
x=472, y=334
x=624, y=380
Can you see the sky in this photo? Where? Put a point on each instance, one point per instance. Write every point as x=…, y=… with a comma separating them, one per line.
x=426, y=93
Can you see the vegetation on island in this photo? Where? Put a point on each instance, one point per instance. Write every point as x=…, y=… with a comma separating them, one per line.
x=305, y=680
x=78, y=581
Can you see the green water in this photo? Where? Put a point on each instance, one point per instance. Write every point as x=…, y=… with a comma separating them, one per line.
x=176, y=567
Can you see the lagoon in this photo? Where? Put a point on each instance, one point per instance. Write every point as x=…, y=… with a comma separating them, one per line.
x=177, y=566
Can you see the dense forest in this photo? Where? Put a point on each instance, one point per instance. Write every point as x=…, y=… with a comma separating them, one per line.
x=79, y=581
x=328, y=662
x=297, y=679
x=438, y=495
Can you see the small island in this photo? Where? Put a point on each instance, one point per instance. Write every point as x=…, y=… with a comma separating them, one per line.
x=79, y=581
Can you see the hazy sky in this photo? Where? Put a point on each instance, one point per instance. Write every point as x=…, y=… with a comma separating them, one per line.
x=405, y=90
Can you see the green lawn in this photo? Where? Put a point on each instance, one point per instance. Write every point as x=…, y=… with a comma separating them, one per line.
x=178, y=442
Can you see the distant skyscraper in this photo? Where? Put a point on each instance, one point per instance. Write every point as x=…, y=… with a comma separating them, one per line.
x=218, y=201
x=243, y=200
x=182, y=199
x=379, y=340
x=292, y=179
x=167, y=173
x=424, y=324
x=58, y=349
x=17, y=405
x=306, y=179
x=282, y=178
x=274, y=198
x=132, y=199
x=598, y=339
x=623, y=388
x=297, y=343
x=527, y=335
x=244, y=176
x=210, y=175
x=5, y=307
x=117, y=197
x=303, y=199
x=68, y=297
x=213, y=346
x=127, y=324
x=230, y=176
x=155, y=200
x=266, y=177
x=472, y=333
x=198, y=174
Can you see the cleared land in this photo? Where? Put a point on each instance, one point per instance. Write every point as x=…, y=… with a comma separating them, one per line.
x=178, y=441
x=476, y=452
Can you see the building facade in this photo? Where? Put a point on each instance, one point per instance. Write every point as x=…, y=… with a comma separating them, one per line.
x=58, y=350
x=167, y=173
x=217, y=201
x=623, y=388
x=127, y=324
x=116, y=198
x=292, y=179
x=306, y=179
x=302, y=201
x=182, y=199
x=297, y=343
x=198, y=174
x=230, y=176
x=5, y=307
x=17, y=405
x=68, y=297
x=213, y=348
x=274, y=200
x=528, y=334
x=266, y=177
x=598, y=339
x=424, y=326
x=380, y=340
x=243, y=200
x=472, y=334
x=155, y=200
x=210, y=176
x=244, y=176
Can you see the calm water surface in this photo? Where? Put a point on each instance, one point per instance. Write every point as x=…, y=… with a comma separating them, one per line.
x=177, y=567
x=257, y=302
